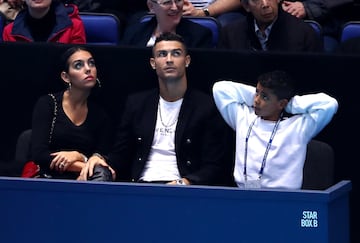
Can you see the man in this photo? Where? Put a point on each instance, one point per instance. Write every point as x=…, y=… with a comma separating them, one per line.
x=172, y=134
x=269, y=28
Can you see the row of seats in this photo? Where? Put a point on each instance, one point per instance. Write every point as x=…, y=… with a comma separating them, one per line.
x=106, y=29
x=350, y=29
x=102, y=28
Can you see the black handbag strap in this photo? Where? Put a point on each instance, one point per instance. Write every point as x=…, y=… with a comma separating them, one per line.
x=54, y=117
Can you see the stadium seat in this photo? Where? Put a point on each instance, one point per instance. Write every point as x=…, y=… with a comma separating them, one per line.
x=316, y=26
x=101, y=28
x=2, y=23
x=350, y=30
x=318, y=171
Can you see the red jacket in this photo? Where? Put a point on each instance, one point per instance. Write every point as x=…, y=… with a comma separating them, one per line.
x=69, y=28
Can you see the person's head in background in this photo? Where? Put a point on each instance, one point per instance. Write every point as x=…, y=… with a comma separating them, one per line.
x=264, y=11
x=38, y=9
x=273, y=92
x=79, y=71
x=168, y=14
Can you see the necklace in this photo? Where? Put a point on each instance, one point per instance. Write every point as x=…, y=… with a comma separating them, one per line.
x=170, y=123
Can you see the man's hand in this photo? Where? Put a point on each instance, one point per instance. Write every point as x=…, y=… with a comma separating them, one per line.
x=190, y=10
x=294, y=8
x=88, y=169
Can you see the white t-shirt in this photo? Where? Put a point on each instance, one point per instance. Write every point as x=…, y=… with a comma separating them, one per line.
x=162, y=164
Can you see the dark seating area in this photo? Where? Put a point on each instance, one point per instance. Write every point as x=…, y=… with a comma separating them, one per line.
x=30, y=70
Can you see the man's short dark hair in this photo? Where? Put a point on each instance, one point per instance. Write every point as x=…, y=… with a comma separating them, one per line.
x=168, y=36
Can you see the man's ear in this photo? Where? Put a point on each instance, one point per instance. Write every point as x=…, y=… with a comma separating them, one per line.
x=283, y=103
x=187, y=60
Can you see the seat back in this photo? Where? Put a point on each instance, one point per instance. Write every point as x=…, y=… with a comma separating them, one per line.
x=209, y=22
x=318, y=171
x=101, y=28
x=22, y=150
x=316, y=26
x=2, y=24
x=350, y=30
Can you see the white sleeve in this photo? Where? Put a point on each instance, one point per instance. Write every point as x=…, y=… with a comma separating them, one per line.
x=319, y=107
x=230, y=96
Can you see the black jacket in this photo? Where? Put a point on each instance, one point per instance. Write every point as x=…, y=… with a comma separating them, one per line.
x=195, y=35
x=202, y=141
x=288, y=34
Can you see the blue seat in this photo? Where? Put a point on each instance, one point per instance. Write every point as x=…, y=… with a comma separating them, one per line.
x=2, y=24
x=350, y=30
x=209, y=22
x=330, y=43
x=316, y=26
x=101, y=28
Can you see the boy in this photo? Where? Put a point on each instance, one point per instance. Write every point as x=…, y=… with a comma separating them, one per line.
x=272, y=128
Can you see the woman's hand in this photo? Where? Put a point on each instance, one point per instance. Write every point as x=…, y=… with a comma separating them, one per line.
x=65, y=160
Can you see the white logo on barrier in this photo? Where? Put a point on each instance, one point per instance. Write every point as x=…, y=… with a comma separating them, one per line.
x=309, y=219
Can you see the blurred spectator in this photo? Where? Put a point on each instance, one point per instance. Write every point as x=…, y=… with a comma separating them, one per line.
x=168, y=18
x=269, y=28
x=10, y=8
x=46, y=21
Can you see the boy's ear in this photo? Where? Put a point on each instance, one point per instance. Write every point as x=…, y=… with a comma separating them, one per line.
x=283, y=103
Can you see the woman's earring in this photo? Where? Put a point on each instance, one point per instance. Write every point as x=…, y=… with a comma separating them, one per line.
x=98, y=82
x=69, y=85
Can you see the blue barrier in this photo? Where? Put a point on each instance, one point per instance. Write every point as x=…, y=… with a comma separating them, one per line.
x=40, y=210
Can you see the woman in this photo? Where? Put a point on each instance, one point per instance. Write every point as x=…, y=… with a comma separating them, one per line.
x=46, y=21
x=168, y=18
x=67, y=127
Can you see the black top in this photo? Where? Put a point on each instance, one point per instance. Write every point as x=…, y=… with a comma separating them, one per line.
x=195, y=35
x=41, y=29
x=91, y=136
